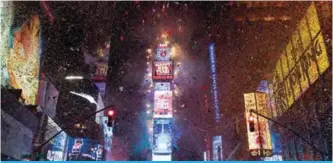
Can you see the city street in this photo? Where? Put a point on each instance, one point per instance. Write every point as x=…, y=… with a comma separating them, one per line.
x=166, y=81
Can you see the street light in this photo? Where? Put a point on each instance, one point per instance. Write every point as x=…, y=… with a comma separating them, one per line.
x=74, y=77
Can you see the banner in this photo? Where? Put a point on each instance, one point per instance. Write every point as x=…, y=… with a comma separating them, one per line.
x=163, y=104
x=258, y=132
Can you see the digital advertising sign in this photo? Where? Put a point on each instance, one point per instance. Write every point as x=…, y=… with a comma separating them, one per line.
x=163, y=54
x=162, y=70
x=22, y=62
x=55, y=149
x=163, y=104
x=217, y=148
x=212, y=59
x=80, y=149
x=302, y=60
x=162, y=86
x=162, y=141
x=259, y=137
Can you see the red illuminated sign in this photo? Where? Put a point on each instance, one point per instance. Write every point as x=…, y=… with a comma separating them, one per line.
x=163, y=70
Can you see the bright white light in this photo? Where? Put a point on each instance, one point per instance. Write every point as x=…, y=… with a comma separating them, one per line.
x=149, y=51
x=74, y=77
x=148, y=105
x=148, y=111
x=166, y=42
x=149, y=74
x=88, y=97
x=147, y=63
x=164, y=35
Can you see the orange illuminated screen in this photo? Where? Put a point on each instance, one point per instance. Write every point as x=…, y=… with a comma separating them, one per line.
x=24, y=58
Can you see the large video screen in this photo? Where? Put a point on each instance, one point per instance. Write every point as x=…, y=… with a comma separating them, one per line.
x=81, y=149
x=162, y=141
x=163, y=104
x=22, y=62
x=163, y=54
x=162, y=70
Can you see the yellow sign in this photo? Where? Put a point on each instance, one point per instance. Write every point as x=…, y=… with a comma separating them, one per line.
x=302, y=61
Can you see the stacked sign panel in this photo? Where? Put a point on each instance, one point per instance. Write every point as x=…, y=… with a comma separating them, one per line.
x=162, y=75
x=259, y=137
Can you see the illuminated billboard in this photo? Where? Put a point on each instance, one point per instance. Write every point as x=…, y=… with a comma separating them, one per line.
x=55, y=149
x=101, y=72
x=163, y=104
x=162, y=70
x=259, y=137
x=162, y=138
x=302, y=60
x=163, y=54
x=217, y=148
x=22, y=62
x=81, y=149
x=6, y=19
x=162, y=86
x=212, y=59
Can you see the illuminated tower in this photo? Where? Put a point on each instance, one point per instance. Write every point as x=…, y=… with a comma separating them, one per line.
x=162, y=70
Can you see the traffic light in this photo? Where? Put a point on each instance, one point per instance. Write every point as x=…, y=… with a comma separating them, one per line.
x=251, y=123
x=110, y=114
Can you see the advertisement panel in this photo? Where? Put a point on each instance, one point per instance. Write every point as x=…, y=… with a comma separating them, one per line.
x=6, y=19
x=163, y=104
x=303, y=60
x=81, y=149
x=162, y=70
x=162, y=86
x=258, y=132
x=55, y=149
x=212, y=59
x=107, y=134
x=101, y=71
x=217, y=148
x=163, y=54
x=23, y=59
x=162, y=142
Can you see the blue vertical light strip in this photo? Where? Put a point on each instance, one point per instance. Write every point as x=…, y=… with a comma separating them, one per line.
x=212, y=59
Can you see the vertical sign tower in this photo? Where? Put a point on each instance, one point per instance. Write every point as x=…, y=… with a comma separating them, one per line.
x=162, y=118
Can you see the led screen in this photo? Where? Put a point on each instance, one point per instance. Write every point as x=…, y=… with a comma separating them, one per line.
x=55, y=149
x=84, y=149
x=259, y=137
x=162, y=141
x=163, y=104
x=162, y=86
x=162, y=70
x=163, y=54
x=217, y=148
x=212, y=59
x=23, y=59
